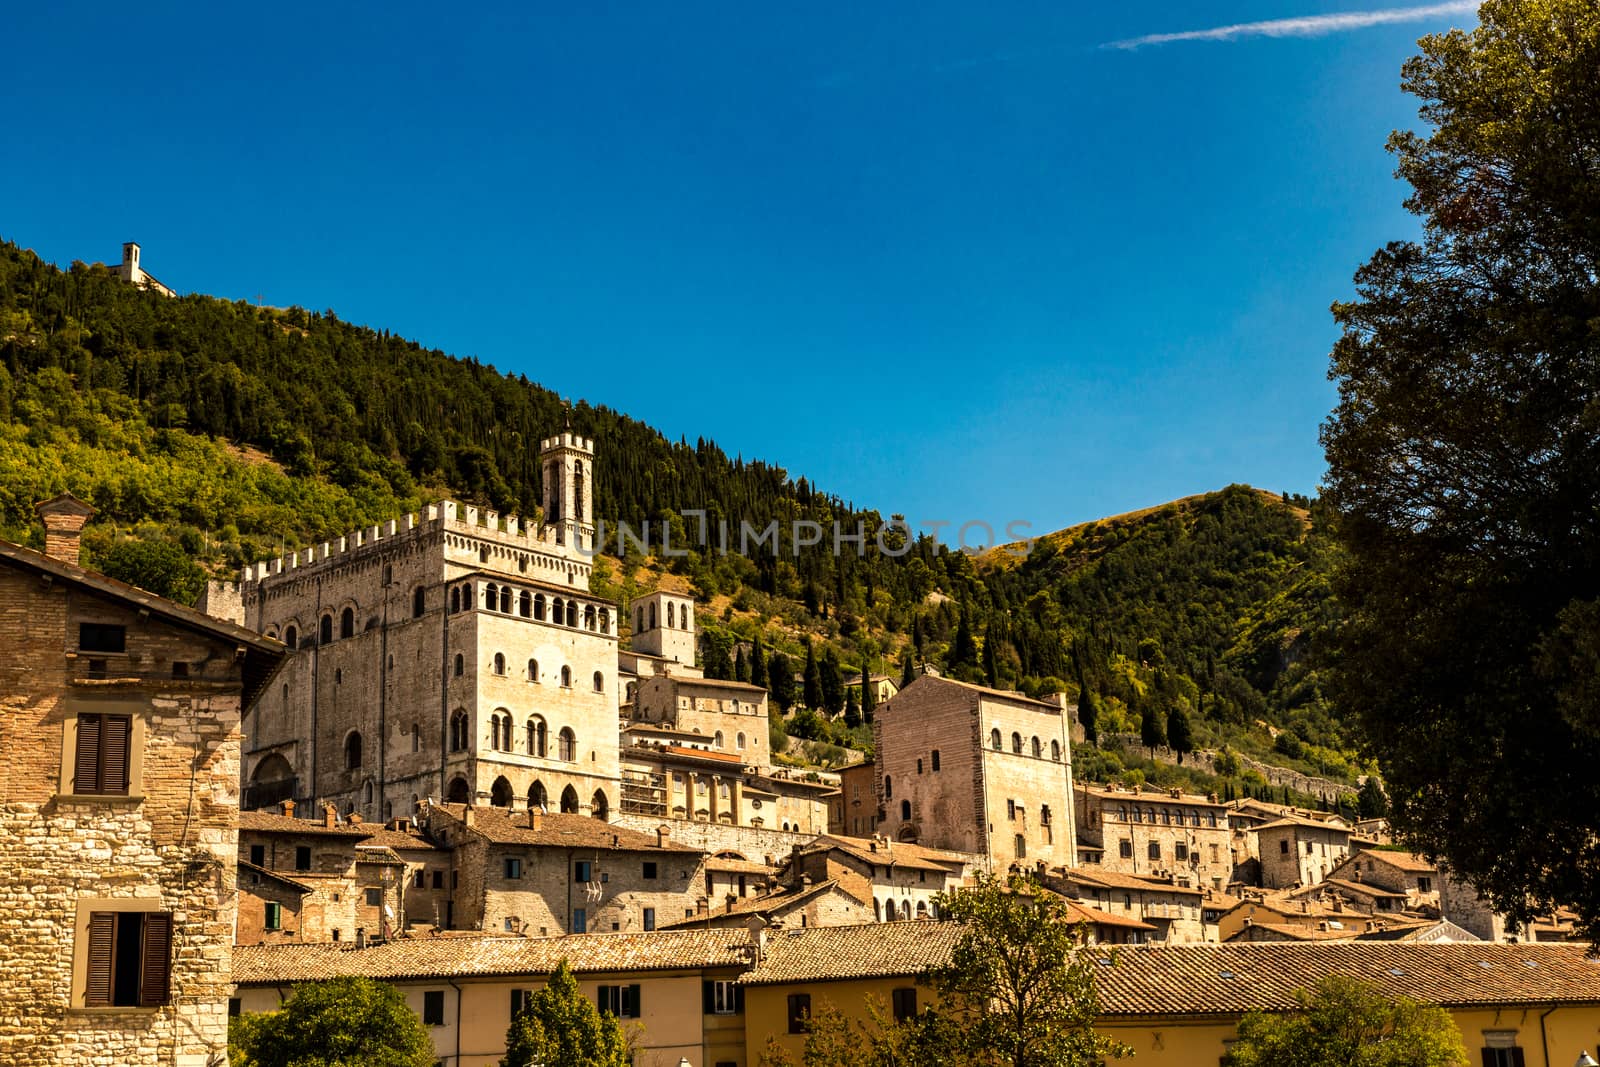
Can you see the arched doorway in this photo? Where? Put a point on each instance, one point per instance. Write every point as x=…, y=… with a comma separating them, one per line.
x=458, y=792
x=500, y=793
x=569, y=800
x=538, y=799
x=598, y=806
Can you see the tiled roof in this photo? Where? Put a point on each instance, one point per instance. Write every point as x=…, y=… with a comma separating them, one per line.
x=383, y=854
x=924, y=680
x=269, y=823
x=901, y=855
x=898, y=851
x=1289, y=821
x=1405, y=861
x=1082, y=913
x=501, y=827
x=794, y=783
x=265, y=872
x=728, y=865
x=469, y=956
x=823, y=953
x=1118, y=880
x=778, y=900
x=1296, y=932
x=399, y=840
x=1156, y=795
x=717, y=683
x=1199, y=979
x=1366, y=889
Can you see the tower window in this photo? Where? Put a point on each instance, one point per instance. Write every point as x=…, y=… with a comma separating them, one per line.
x=419, y=602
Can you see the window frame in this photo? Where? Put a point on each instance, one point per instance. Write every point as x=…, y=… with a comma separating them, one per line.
x=432, y=1007
x=138, y=728
x=88, y=909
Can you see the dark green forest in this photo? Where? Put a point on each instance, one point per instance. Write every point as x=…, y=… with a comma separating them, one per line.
x=210, y=433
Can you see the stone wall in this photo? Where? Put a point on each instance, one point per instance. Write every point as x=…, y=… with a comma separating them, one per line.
x=758, y=843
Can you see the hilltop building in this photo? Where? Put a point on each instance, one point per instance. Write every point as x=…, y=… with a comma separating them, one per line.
x=131, y=272
x=119, y=724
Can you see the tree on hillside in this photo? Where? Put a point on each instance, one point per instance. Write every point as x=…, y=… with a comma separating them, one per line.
x=1464, y=462
x=560, y=1027
x=1372, y=802
x=1152, y=724
x=991, y=658
x=158, y=567
x=741, y=669
x=811, y=680
x=758, y=663
x=964, y=651
x=908, y=670
x=1347, y=1023
x=869, y=693
x=831, y=677
x=1180, y=734
x=780, y=681
x=852, y=710
x=1019, y=983
x=342, y=1022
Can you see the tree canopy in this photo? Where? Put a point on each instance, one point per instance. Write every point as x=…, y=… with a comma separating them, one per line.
x=1346, y=1023
x=1464, y=464
x=559, y=1027
x=342, y=1022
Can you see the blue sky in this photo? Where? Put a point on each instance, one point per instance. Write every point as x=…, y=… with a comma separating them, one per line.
x=952, y=260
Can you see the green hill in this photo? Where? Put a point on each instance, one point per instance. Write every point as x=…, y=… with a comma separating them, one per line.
x=210, y=433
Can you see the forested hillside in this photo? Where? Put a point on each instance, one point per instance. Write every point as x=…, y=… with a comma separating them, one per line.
x=209, y=433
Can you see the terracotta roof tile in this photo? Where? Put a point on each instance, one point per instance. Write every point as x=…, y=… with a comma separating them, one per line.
x=477, y=955
x=1405, y=861
x=1118, y=880
x=502, y=827
x=270, y=823
x=823, y=953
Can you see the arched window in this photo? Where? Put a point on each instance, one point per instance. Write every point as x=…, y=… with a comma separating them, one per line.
x=935, y=759
x=569, y=800
x=352, y=751
x=1055, y=751
x=671, y=621
x=533, y=670
x=491, y=597
x=566, y=745
x=291, y=636
x=1016, y=742
x=740, y=742
x=588, y=617
x=419, y=602
x=496, y=729
x=461, y=665
x=325, y=630
x=458, y=731
x=347, y=623
x=525, y=604
x=718, y=739
x=558, y=610
x=605, y=621
x=459, y=792
x=994, y=739
x=888, y=788
x=416, y=737
x=500, y=663
x=922, y=909
x=572, y=614
x=538, y=799
x=455, y=600
x=566, y=677
x=877, y=910
x=599, y=807
x=577, y=491
x=1044, y=815
x=639, y=625
x=1021, y=847
x=1037, y=751
x=537, y=736
x=538, y=606
x=505, y=599
x=599, y=682
x=500, y=793
x=905, y=810
x=652, y=616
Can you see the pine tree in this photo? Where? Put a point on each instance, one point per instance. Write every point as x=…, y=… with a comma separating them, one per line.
x=831, y=676
x=758, y=663
x=852, y=711
x=741, y=669
x=1089, y=716
x=1152, y=725
x=811, y=690
x=965, y=649
x=908, y=670
x=869, y=694
x=780, y=681
x=1180, y=734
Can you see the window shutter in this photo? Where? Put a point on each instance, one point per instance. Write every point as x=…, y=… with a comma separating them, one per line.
x=1516, y=1058
x=114, y=731
x=709, y=990
x=738, y=998
x=155, y=968
x=97, y=982
x=86, y=762
x=633, y=995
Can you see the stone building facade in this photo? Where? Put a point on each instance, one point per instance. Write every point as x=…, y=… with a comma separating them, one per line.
x=119, y=729
x=455, y=654
x=854, y=811
x=971, y=769
x=1300, y=852
x=1158, y=833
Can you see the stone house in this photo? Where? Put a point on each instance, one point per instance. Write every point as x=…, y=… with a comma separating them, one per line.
x=1157, y=832
x=1175, y=912
x=854, y=811
x=731, y=715
x=1400, y=872
x=676, y=993
x=119, y=725
x=544, y=875
x=971, y=769
x=883, y=687
x=1297, y=852
x=455, y=654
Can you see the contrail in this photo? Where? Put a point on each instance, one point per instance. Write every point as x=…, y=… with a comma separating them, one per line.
x=1305, y=26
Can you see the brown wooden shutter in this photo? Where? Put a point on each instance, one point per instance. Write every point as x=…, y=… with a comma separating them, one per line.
x=155, y=965
x=97, y=981
x=115, y=732
x=86, y=762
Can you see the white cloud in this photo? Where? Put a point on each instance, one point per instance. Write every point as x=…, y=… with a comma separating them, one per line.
x=1305, y=26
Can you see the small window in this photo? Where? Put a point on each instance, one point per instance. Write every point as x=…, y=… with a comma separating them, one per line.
x=180, y=668
x=905, y=1004
x=129, y=959
x=619, y=1000
x=325, y=630
x=438, y=879
x=994, y=740
x=1180, y=852
x=419, y=602
x=1016, y=743
x=102, y=637
x=888, y=788
x=352, y=752
x=723, y=997
x=1055, y=751
x=1021, y=847
x=1283, y=847
x=599, y=682
x=919, y=766
x=582, y=871
x=461, y=665
x=302, y=857
x=258, y=855
x=649, y=868
x=500, y=663
x=374, y=897
x=935, y=759
x=649, y=918
x=101, y=755
x=272, y=918
x=419, y=879
x=513, y=867
x=1155, y=850
x=433, y=1007
x=799, y=1013
x=580, y=921
x=1125, y=849
x=533, y=670
x=905, y=811
x=347, y=623
x=1035, y=748
x=566, y=677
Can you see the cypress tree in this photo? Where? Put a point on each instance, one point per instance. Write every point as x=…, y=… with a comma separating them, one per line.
x=831, y=676
x=908, y=670
x=811, y=691
x=758, y=663
x=780, y=681
x=741, y=669
x=1180, y=735
x=1152, y=725
x=869, y=695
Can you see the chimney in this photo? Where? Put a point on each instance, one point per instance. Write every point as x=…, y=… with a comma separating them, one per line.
x=535, y=820
x=663, y=832
x=466, y=815
x=330, y=816
x=288, y=809
x=757, y=926
x=361, y=937
x=355, y=818
x=63, y=518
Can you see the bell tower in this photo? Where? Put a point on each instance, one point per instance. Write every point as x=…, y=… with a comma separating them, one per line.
x=567, y=465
